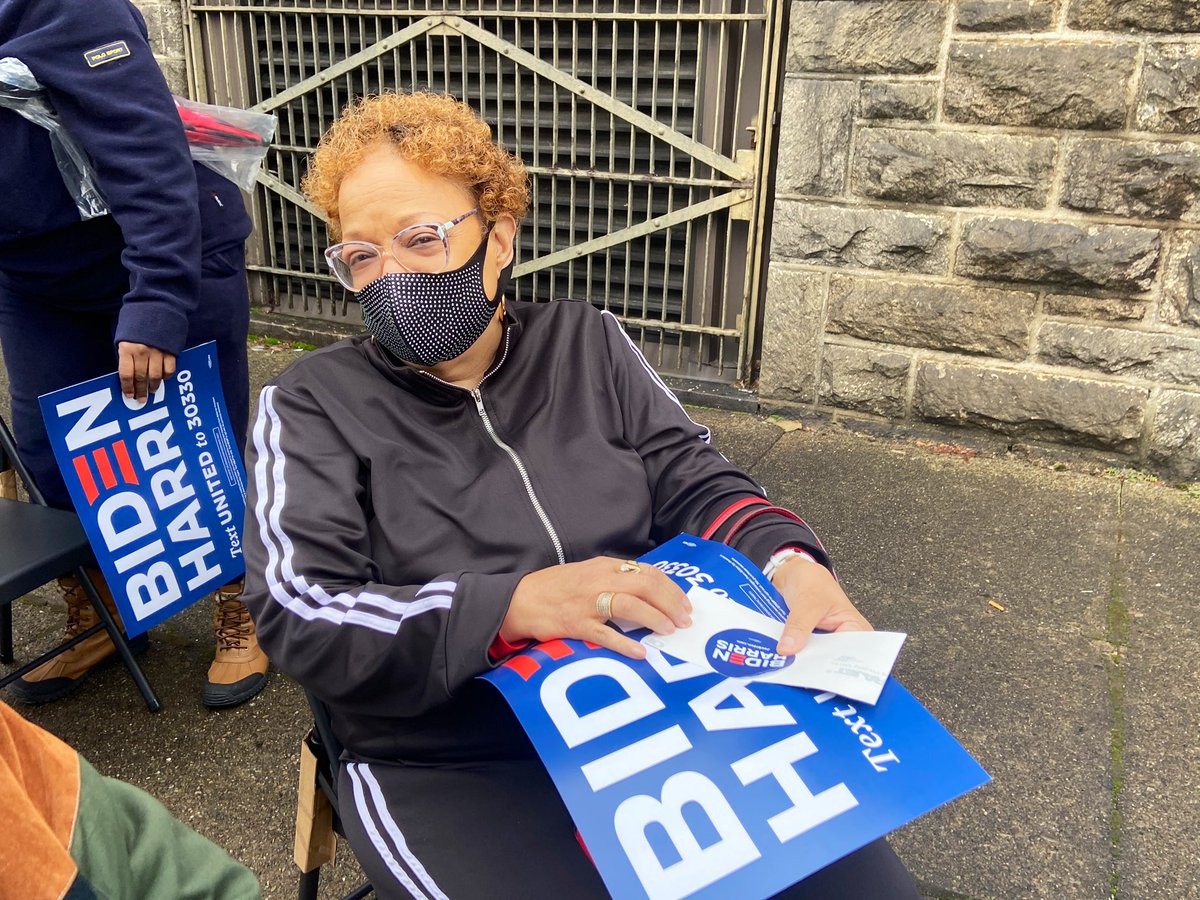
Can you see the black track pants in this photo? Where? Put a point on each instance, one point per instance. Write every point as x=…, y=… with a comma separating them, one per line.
x=498, y=829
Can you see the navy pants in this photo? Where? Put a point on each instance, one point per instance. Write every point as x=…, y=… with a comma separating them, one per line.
x=499, y=829
x=50, y=345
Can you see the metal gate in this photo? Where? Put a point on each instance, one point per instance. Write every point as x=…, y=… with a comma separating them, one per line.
x=645, y=125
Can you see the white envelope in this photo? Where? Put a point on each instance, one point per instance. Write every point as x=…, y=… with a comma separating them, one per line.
x=732, y=640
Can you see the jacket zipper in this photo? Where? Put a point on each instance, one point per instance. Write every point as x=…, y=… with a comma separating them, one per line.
x=537, y=504
x=477, y=395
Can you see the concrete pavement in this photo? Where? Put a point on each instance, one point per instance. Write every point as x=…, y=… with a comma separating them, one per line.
x=1080, y=697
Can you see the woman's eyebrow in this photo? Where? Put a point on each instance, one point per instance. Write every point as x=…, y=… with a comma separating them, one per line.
x=420, y=218
x=399, y=224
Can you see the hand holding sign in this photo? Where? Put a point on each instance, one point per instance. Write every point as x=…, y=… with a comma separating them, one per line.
x=157, y=481
x=561, y=602
x=142, y=369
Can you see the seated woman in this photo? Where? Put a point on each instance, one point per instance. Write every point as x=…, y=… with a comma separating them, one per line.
x=468, y=477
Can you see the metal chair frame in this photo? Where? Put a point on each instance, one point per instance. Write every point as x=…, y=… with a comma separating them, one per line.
x=51, y=543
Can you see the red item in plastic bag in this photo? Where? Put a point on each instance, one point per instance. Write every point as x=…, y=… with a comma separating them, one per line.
x=205, y=130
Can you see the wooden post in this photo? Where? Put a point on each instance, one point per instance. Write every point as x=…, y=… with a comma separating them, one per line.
x=316, y=842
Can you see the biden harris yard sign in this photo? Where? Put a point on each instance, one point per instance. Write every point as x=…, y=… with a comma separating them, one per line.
x=159, y=487
x=687, y=783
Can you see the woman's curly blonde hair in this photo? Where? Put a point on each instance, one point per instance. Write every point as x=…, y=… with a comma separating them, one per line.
x=434, y=131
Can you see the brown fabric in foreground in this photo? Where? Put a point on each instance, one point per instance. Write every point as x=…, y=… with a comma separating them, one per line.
x=39, y=794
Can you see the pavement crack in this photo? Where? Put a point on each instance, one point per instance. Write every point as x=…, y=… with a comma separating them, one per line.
x=751, y=466
x=1117, y=637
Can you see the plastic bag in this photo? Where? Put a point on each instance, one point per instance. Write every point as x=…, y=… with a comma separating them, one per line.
x=22, y=93
x=232, y=142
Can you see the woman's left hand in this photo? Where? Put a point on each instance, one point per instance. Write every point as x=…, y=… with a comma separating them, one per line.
x=815, y=600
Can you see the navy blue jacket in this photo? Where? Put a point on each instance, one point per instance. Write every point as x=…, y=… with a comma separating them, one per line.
x=121, y=111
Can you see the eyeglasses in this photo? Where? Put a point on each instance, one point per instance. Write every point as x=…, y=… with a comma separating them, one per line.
x=418, y=248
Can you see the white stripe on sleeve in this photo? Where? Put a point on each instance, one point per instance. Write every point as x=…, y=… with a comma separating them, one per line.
x=707, y=435
x=292, y=591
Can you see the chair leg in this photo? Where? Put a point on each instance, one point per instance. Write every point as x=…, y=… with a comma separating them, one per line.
x=309, y=881
x=50, y=654
x=119, y=641
x=6, y=645
x=308, y=884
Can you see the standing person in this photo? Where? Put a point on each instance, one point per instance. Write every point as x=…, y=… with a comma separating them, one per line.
x=128, y=290
x=470, y=476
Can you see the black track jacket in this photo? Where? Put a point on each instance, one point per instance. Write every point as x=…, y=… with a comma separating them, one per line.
x=390, y=515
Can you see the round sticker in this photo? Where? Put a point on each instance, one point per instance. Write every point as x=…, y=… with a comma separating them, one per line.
x=742, y=653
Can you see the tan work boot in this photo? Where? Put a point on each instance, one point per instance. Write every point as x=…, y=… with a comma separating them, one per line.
x=66, y=672
x=8, y=485
x=239, y=670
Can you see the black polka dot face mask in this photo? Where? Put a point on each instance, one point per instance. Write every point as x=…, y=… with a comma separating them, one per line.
x=424, y=318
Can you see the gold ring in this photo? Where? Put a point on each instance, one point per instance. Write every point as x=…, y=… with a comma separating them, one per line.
x=604, y=605
x=629, y=566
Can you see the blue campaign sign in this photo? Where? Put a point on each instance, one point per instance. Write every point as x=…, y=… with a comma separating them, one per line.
x=160, y=487
x=694, y=562
x=684, y=783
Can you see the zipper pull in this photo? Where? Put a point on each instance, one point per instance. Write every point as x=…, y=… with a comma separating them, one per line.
x=479, y=402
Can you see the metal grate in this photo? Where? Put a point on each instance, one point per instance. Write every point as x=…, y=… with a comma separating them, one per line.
x=637, y=120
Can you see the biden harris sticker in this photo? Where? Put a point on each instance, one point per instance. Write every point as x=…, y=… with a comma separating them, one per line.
x=731, y=639
x=741, y=653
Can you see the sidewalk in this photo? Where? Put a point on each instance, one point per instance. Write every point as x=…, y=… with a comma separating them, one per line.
x=1080, y=696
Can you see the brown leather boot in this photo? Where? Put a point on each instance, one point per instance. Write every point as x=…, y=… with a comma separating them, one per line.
x=8, y=485
x=66, y=672
x=239, y=670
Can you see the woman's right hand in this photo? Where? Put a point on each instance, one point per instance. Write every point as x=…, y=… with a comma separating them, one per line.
x=142, y=369
x=566, y=602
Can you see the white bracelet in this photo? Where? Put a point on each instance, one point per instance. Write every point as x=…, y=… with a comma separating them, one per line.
x=780, y=556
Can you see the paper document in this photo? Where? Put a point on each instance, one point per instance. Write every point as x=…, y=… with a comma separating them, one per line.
x=732, y=640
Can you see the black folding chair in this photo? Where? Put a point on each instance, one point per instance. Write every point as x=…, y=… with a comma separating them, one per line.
x=37, y=545
x=324, y=746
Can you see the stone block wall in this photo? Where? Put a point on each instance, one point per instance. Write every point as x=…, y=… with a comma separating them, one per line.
x=987, y=214
x=164, y=22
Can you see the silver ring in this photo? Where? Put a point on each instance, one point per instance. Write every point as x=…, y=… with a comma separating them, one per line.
x=604, y=605
x=629, y=566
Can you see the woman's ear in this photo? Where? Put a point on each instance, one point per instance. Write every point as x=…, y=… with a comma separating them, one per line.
x=501, y=251
x=504, y=232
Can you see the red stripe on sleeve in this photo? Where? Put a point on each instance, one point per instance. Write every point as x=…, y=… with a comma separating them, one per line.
x=501, y=648
x=730, y=510
x=125, y=463
x=105, y=467
x=84, y=474
x=755, y=513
